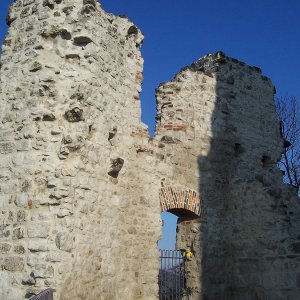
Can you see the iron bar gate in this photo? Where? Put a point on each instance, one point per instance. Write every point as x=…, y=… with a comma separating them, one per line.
x=44, y=295
x=171, y=278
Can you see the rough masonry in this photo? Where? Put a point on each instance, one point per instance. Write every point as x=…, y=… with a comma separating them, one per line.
x=82, y=184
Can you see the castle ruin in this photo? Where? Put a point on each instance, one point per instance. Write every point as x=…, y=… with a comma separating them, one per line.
x=82, y=184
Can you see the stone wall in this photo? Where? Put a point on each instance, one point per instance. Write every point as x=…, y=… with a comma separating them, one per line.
x=223, y=139
x=77, y=213
x=82, y=184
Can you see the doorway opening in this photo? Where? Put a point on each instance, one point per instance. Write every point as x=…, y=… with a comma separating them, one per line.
x=168, y=240
x=180, y=208
x=171, y=277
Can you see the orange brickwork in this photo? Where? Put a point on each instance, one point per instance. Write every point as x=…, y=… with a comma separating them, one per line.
x=173, y=198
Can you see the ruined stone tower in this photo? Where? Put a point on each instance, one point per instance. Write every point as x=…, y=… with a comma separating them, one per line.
x=82, y=184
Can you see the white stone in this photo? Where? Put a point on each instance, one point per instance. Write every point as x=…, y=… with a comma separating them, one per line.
x=38, y=230
x=21, y=200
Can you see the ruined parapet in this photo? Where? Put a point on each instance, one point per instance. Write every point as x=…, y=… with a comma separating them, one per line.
x=217, y=127
x=72, y=203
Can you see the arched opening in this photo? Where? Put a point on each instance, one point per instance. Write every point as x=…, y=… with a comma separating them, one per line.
x=179, y=208
x=171, y=278
x=177, y=204
x=170, y=219
x=168, y=240
x=179, y=201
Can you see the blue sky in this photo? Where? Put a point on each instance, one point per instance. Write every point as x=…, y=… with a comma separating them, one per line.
x=264, y=33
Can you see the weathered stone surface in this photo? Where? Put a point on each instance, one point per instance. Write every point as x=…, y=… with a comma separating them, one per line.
x=21, y=200
x=21, y=216
x=13, y=263
x=49, y=117
x=6, y=290
x=5, y=248
x=19, y=249
x=295, y=247
x=29, y=280
x=236, y=176
x=54, y=257
x=49, y=201
x=74, y=115
x=18, y=233
x=43, y=271
x=82, y=184
x=37, y=246
x=28, y=2
x=36, y=66
x=6, y=147
x=64, y=241
x=38, y=230
x=4, y=201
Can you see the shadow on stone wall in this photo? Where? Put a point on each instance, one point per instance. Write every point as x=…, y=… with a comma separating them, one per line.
x=217, y=256
x=242, y=226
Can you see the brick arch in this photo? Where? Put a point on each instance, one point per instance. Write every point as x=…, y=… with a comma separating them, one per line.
x=179, y=200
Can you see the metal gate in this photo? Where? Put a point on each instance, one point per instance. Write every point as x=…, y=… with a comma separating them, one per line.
x=44, y=295
x=171, y=278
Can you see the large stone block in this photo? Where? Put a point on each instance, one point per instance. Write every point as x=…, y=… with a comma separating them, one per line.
x=38, y=230
x=21, y=200
x=6, y=147
x=4, y=201
x=64, y=241
x=43, y=271
x=13, y=263
x=5, y=248
x=18, y=233
x=38, y=246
